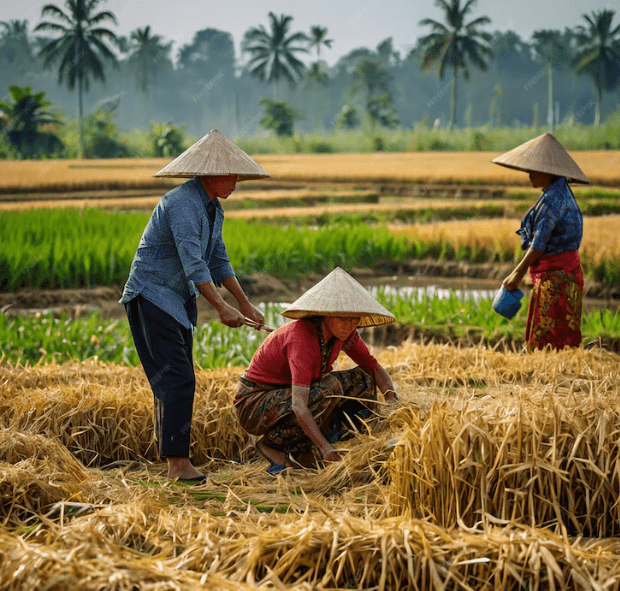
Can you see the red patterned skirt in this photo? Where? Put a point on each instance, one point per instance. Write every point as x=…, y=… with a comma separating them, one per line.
x=554, y=313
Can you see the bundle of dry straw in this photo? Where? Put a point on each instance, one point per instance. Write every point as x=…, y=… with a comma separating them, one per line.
x=542, y=452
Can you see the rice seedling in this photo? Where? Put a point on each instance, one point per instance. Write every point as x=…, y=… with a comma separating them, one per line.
x=76, y=248
x=58, y=248
x=52, y=337
x=64, y=248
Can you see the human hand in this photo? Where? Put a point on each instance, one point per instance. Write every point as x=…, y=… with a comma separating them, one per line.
x=512, y=281
x=253, y=313
x=332, y=456
x=391, y=396
x=231, y=316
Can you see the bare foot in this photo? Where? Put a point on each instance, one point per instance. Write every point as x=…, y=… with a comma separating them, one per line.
x=275, y=456
x=182, y=468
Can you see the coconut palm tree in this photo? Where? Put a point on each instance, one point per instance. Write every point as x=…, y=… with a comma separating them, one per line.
x=553, y=49
x=81, y=47
x=373, y=77
x=14, y=43
x=455, y=43
x=147, y=53
x=317, y=39
x=598, y=54
x=273, y=52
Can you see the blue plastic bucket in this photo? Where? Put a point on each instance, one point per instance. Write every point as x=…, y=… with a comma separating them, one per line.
x=507, y=303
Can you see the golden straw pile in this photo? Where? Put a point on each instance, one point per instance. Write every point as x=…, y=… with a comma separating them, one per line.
x=497, y=470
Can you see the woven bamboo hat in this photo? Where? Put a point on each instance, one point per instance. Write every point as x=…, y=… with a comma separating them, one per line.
x=214, y=155
x=338, y=294
x=543, y=154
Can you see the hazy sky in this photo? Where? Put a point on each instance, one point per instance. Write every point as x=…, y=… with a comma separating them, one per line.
x=350, y=23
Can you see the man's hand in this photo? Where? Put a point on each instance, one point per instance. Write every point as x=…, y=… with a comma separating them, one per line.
x=253, y=313
x=230, y=316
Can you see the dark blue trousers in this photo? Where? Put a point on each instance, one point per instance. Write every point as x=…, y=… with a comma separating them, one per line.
x=165, y=350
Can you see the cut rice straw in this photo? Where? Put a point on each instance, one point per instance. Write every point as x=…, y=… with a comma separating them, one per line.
x=491, y=473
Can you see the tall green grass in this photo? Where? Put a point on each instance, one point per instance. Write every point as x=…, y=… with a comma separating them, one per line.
x=292, y=251
x=76, y=248
x=72, y=248
x=47, y=337
x=56, y=248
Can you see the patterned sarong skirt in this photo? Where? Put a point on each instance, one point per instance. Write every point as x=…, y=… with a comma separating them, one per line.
x=336, y=400
x=554, y=313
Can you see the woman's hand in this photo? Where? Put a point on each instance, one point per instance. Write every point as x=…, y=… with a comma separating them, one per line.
x=308, y=424
x=385, y=384
x=513, y=280
x=390, y=396
x=332, y=456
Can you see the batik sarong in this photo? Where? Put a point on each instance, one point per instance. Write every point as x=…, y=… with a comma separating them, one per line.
x=554, y=313
x=338, y=400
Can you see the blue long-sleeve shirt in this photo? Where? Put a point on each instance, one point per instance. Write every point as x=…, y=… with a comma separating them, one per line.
x=181, y=246
x=554, y=224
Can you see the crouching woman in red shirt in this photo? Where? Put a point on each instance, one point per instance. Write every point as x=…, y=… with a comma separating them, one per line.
x=290, y=398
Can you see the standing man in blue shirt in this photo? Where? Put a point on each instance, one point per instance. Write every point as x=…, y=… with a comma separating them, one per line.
x=181, y=255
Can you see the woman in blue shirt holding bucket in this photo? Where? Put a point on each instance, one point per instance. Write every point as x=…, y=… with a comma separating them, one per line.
x=551, y=233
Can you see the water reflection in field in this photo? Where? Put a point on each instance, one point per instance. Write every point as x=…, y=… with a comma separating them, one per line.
x=391, y=294
x=394, y=291
x=432, y=291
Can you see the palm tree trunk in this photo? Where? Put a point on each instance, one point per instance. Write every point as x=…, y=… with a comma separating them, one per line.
x=80, y=101
x=80, y=119
x=598, y=84
x=549, y=95
x=599, y=100
x=453, y=99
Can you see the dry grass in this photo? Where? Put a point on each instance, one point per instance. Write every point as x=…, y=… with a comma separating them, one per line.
x=600, y=235
x=602, y=167
x=505, y=474
x=69, y=175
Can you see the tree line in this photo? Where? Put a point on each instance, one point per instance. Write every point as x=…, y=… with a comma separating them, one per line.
x=458, y=74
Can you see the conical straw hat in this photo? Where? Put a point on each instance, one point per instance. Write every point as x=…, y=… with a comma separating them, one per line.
x=543, y=154
x=214, y=155
x=338, y=294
